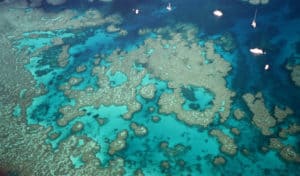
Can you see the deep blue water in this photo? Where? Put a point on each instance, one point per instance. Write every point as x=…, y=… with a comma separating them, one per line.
x=277, y=33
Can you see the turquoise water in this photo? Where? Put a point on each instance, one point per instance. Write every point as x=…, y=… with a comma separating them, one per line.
x=200, y=62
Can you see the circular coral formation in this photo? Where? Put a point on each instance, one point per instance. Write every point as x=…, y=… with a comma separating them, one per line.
x=151, y=109
x=78, y=126
x=165, y=165
x=166, y=63
x=238, y=114
x=155, y=119
x=148, y=91
x=219, y=160
x=164, y=145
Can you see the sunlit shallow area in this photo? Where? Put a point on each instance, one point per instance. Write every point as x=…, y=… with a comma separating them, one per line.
x=153, y=88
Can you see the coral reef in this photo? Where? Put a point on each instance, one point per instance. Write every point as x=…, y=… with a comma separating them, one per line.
x=227, y=42
x=295, y=74
x=80, y=68
x=119, y=143
x=261, y=118
x=165, y=165
x=63, y=58
x=31, y=138
x=155, y=119
x=139, y=172
x=166, y=63
x=121, y=95
x=78, y=126
x=74, y=81
x=257, y=2
x=238, y=114
x=219, y=160
x=177, y=150
x=148, y=91
x=287, y=152
x=77, y=139
x=291, y=130
x=161, y=67
x=281, y=114
x=17, y=138
x=235, y=131
x=62, y=20
x=227, y=143
x=139, y=130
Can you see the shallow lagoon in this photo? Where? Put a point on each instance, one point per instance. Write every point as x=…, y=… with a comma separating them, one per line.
x=94, y=88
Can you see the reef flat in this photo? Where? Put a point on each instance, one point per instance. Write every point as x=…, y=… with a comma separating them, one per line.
x=88, y=89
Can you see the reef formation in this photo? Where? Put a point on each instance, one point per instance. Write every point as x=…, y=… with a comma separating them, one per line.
x=70, y=107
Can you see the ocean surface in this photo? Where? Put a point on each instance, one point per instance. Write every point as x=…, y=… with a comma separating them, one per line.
x=150, y=87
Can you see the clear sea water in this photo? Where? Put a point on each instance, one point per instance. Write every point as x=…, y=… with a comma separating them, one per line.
x=277, y=33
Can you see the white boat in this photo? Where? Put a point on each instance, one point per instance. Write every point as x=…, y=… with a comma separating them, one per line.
x=253, y=24
x=267, y=66
x=169, y=7
x=136, y=11
x=257, y=51
x=218, y=13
